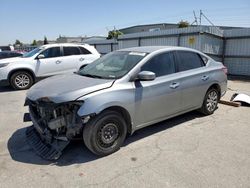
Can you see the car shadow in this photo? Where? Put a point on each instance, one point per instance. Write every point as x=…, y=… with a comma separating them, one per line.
x=76, y=152
x=6, y=89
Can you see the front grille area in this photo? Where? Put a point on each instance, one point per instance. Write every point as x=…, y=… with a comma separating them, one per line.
x=53, y=125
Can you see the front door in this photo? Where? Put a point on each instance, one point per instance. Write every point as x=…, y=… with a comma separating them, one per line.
x=51, y=64
x=160, y=98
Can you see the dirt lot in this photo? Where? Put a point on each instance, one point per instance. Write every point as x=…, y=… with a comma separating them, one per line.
x=187, y=151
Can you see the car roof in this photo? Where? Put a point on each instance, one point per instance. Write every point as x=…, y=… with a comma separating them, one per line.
x=150, y=49
x=62, y=44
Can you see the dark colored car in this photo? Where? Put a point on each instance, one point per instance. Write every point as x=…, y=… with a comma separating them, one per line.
x=8, y=54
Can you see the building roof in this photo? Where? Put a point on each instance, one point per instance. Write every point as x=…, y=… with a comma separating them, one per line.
x=149, y=25
x=171, y=25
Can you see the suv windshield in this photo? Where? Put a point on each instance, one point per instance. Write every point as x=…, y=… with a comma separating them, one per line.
x=113, y=65
x=32, y=52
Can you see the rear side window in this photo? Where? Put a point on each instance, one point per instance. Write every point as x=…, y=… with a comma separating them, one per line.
x=188, y=60
x=205, y=60
x=67, y=50
x=162, y=64
x=84, y=51
x=51, y=52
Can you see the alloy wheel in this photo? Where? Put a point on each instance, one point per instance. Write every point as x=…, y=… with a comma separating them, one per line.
x=212, y=100
x=22, y=81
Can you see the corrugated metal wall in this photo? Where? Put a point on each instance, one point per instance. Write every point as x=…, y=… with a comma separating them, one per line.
x=115, y=47
x=162, y=41
x=206, y=39
x=211, y=45
x=237, y=32
x=237, y=47
x=237, y=51
x=238, y=66
x=128, y=43
x=103, y=48
x=191, y=41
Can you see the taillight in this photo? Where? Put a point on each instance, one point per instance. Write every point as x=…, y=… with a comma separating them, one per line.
x=224, y=69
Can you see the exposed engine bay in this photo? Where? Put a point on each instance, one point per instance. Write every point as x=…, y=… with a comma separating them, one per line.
x=54, y=125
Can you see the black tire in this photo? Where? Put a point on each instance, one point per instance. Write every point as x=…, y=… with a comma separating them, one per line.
x=26, y=77
x=210, y=102
x=105, y=133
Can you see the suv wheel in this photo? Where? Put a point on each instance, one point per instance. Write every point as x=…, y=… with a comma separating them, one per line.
x=105, y=133
x=21, y=80
x=210, y=102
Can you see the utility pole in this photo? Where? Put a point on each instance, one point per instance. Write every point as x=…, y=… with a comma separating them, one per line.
x=200, y=16
x=195, y=18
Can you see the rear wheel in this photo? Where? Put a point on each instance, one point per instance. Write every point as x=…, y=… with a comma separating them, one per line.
x=105, y=133
x=210, y=102
x=21, y=80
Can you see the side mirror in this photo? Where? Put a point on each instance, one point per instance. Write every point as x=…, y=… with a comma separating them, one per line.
x=40, y=56
x=146, y=76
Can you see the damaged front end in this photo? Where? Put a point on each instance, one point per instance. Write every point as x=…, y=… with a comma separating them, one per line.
x=54, y=125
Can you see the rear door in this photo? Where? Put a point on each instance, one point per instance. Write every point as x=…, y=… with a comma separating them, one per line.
x=86, y=57
x=76, y=57
x=194, y=79
x=159, y=98
x=72, y=56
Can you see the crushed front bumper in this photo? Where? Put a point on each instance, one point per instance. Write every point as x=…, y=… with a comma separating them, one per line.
x=39, y=143
x=42, y=141
x=54, y=126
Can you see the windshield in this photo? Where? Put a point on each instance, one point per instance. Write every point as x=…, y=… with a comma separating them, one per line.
x=113, y=65
x=32, y=52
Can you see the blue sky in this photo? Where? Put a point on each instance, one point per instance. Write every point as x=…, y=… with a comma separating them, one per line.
x=31, y=19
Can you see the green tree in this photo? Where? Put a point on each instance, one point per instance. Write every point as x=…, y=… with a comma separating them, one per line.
x=183, y=24
x=34, y=43
x=18, y=43
x=114, y=34
x=45, y=41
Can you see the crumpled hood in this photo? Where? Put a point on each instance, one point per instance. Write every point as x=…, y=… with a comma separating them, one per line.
x=68, y=87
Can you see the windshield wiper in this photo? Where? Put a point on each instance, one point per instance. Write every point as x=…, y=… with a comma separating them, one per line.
x=93, y=76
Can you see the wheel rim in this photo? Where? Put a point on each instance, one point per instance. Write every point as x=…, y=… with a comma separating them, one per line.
x=212, y=100
x=108, y=135
x=22, y=80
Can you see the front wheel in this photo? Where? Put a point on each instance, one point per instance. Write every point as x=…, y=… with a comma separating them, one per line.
x=21, y=80
x=105, y=133
x=210, y=102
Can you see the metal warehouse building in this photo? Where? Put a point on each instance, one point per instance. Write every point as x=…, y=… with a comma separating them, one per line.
x=231, y=47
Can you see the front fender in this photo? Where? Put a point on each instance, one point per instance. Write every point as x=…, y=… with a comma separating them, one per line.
x=94, y=107
x=123, y=95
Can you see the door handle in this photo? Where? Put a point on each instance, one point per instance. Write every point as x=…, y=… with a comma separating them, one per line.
x=174, y=85
x=204, y=78
x=81, y=59
x=58, y=62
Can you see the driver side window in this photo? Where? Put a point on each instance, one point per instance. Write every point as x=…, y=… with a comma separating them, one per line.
x=51, y=52
x=162, y=64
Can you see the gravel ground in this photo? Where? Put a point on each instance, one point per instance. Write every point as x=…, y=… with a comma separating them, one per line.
x=186, y=151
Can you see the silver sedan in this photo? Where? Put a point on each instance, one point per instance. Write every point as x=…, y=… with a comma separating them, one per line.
x=120, y=93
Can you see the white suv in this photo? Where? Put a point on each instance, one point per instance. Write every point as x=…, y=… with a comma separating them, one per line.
x=47, y=60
